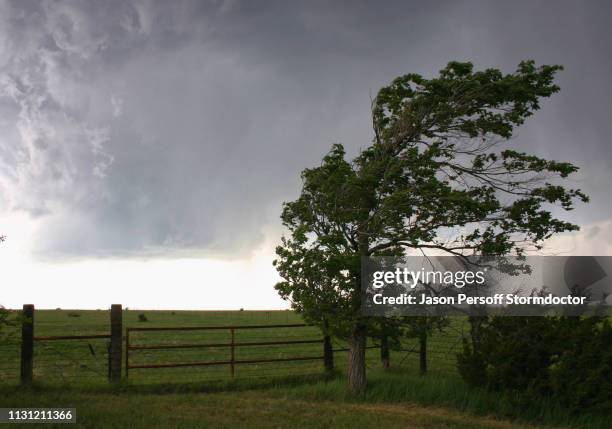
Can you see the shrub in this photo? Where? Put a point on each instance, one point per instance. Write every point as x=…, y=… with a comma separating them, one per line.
x=471, y=365
x=568, y=358
x=142, y=317
x=582, y=377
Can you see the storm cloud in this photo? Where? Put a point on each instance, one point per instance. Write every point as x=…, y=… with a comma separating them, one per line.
x=131, y=128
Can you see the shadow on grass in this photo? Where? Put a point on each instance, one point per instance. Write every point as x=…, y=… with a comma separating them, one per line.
x=388, y=387
x=212, y=386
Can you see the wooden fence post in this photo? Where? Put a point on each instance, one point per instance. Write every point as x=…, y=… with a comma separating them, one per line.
x=116, y=343
x=423, y=353
x=233, y=353
x=385, y=355
x=328, y=354
x=127, y=352
x=27, y=343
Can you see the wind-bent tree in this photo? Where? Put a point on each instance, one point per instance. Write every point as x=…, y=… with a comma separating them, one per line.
x=440, y=174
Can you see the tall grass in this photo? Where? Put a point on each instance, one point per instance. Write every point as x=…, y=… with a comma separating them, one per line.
x=391, y=387
x=448, y=391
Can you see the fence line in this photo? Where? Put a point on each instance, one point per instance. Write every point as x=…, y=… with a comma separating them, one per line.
x=28, y=339
x=71, y=337
x=261, y=345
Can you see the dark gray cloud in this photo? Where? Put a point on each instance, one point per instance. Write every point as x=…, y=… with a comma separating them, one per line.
x=137, y=127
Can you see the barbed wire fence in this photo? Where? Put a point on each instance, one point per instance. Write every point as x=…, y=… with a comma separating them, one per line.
x=72, y=359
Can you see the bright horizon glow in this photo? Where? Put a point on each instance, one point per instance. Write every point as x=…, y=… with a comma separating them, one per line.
x=153, y=284
x=176, y=284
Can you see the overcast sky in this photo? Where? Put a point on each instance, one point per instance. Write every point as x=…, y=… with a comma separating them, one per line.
x=152, y=137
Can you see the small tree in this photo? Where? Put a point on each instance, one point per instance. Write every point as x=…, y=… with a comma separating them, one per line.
x=437, y=176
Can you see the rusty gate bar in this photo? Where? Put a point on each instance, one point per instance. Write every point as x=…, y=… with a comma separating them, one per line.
x=205, y=328
x=230, y=344
x=220, y=362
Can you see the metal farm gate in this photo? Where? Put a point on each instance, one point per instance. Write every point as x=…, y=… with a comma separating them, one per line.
x=224, y=346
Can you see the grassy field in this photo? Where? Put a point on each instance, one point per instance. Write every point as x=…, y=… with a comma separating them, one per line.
x=85, y=361
x=252, y=409
x=393, y=400
x=292, y=394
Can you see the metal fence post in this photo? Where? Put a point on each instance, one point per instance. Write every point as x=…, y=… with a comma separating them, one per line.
x=27, y=343
x=328, y=354
x=116, y=343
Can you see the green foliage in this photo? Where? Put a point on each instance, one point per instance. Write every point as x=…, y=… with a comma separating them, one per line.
x=437, y=176
x=568, y=358
x=423, y=326
x=582, y=375
x=511, y=354
x=5, y=322
x=474, y=103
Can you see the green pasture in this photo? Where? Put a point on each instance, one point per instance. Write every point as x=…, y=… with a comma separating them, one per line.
x=281, y=394
x=85, y=361
x=394, y=399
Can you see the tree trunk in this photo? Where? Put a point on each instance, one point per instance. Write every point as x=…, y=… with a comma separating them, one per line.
x=356, y=367
x=423, y=353
x=328, y=351
x=357, y=340
x=384, y=352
